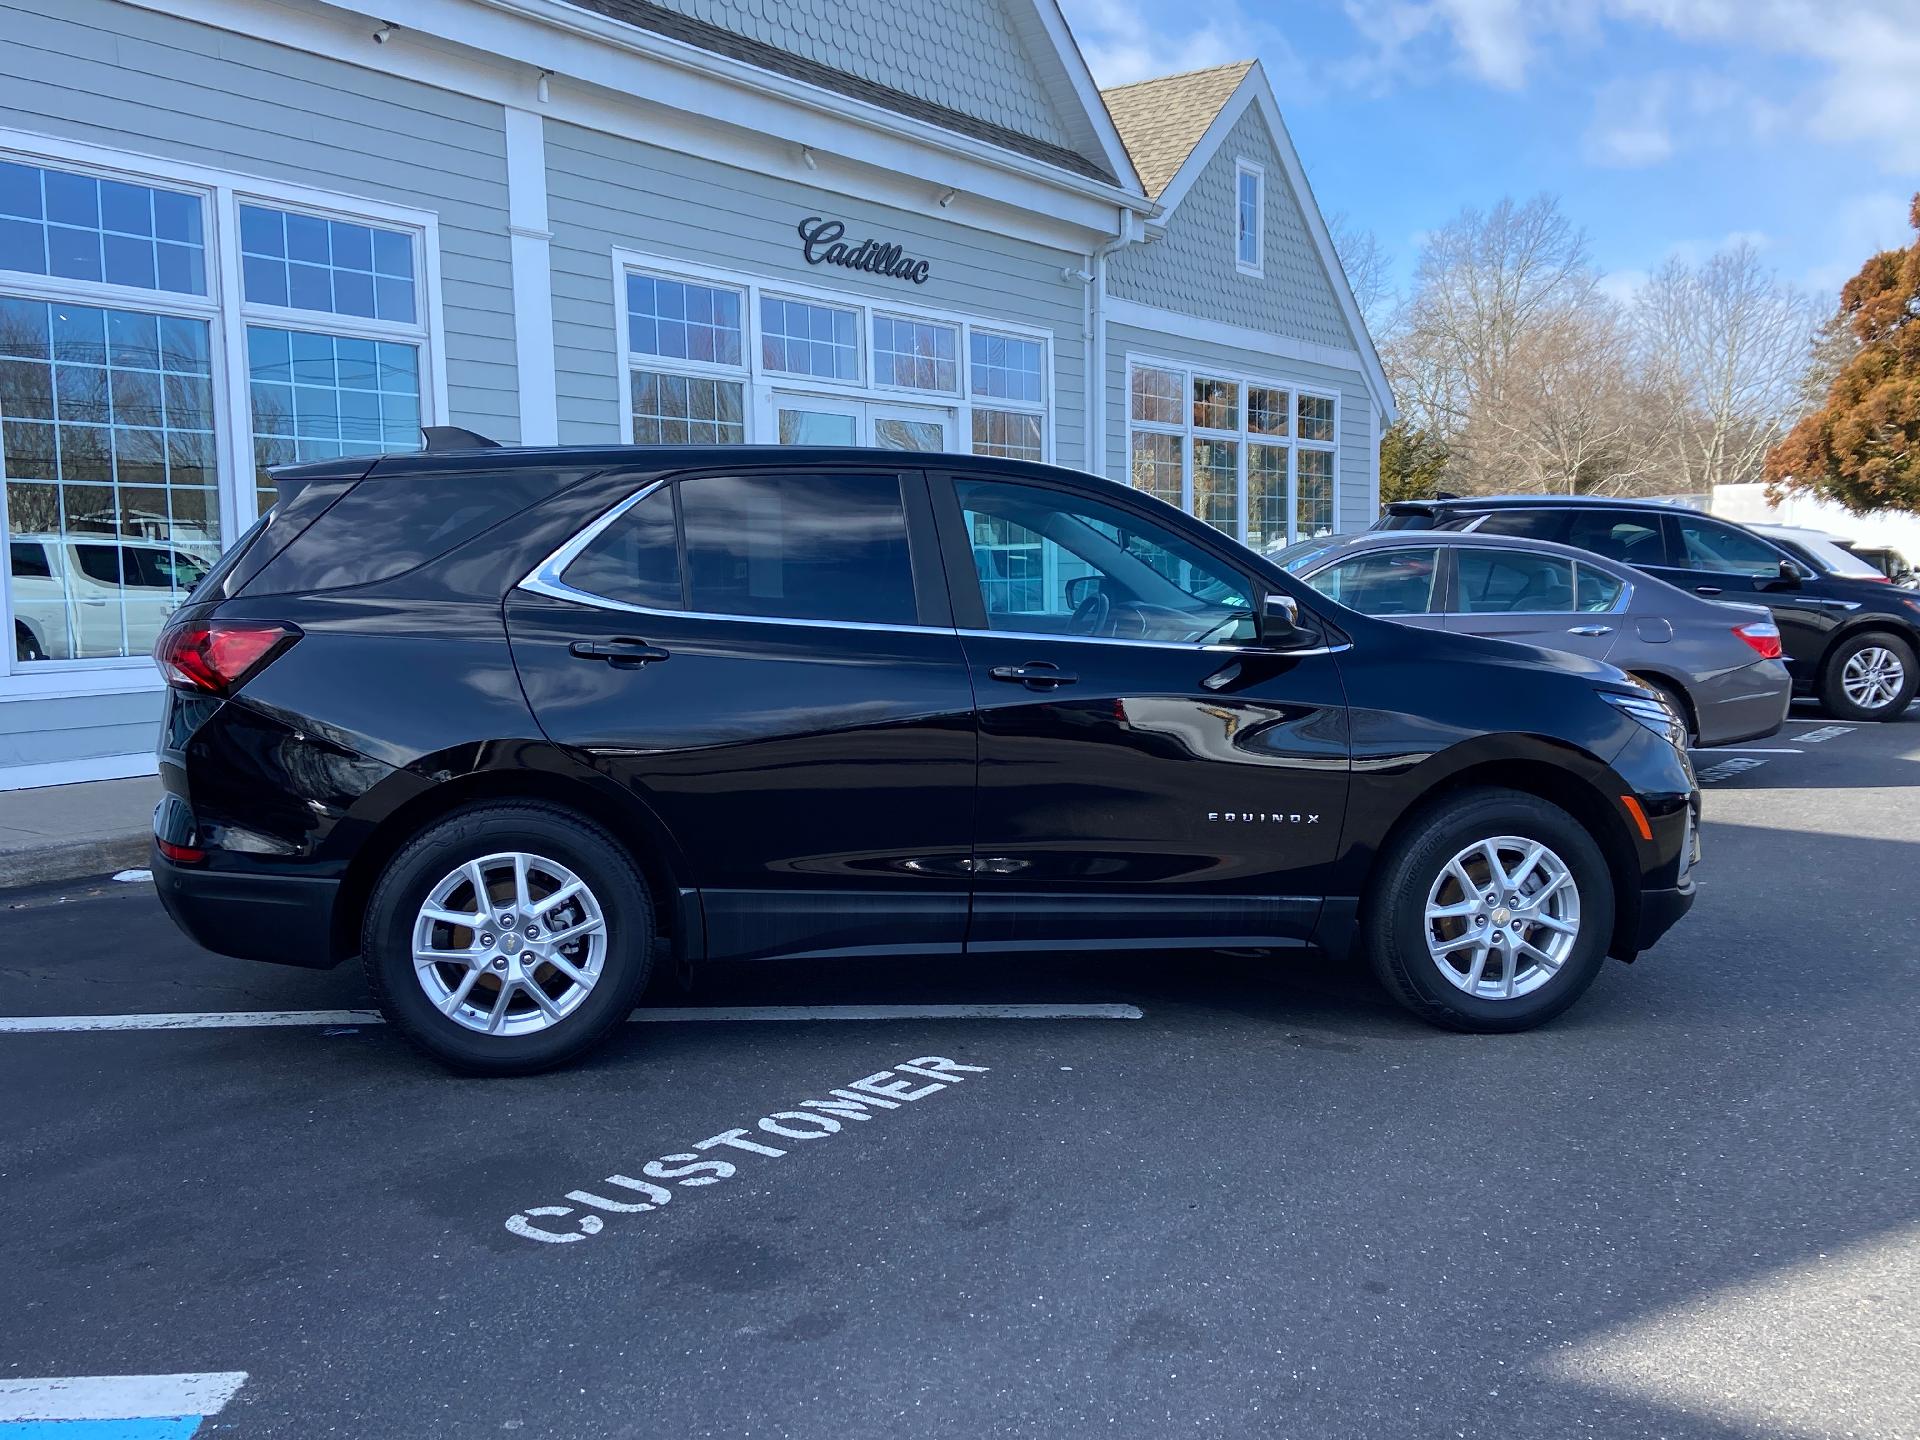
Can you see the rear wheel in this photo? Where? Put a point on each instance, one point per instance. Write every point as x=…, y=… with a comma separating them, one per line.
x=1491, y=911
x=508, y=938
x=26, y=645
x=1870, y=677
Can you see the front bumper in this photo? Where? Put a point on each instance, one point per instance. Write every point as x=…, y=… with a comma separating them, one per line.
x=1660, y=911
x=282, y=919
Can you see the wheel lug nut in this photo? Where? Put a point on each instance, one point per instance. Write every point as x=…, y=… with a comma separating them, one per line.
x=1480, y=920
x=500, y=963
x=1490, y=899
x=506, y=922
x=533, y=932
x=526, y=957
x=486, y=937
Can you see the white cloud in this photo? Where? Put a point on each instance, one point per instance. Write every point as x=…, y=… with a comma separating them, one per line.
x=1122, y=44
x=1622, y=285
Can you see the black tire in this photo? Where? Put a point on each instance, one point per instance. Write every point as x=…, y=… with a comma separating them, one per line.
x=1833, y=688
x=1681, y=704
x=535, y=828
x=25, y=646
x=1394, y=927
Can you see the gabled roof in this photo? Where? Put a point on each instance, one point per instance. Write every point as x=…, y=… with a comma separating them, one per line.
x=1101, y=155
x=1162, y=120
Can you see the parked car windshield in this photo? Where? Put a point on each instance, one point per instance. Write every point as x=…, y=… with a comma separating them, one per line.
x=1829, y=556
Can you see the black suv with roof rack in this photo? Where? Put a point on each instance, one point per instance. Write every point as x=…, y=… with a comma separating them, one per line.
x=520, y=726
x=1850, y=639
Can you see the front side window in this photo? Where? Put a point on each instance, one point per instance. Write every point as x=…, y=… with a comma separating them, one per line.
x=1513, y=582
x=799, y=547
x=1709, y=546
x=1051, y=563
x=1396, y=582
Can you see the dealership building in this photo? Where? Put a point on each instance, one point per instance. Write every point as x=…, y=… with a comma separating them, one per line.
x=236, y=233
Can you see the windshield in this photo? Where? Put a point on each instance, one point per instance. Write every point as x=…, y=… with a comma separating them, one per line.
x=1295, y=558
x=1831, y=558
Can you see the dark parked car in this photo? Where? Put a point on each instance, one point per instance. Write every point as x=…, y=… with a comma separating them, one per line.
x=1849, y=639
x=1718, y=664
x=518, y=727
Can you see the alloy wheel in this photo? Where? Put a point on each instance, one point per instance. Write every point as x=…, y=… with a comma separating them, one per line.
x=1502, y=917
x=509, y=944
x=1872, y=677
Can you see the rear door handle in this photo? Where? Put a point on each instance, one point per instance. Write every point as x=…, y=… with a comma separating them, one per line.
x=1038, y=675
x=1706, y=589
x=1590, y=630
x=622, y=653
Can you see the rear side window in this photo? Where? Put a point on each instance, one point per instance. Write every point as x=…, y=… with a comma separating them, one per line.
x=1398, y=582
x=1594, y=590
x=29, y=558
x=386, y=526
x=799, y=547
x=1513, y=582
x=1524, y=524
x=1619, y=535
x=636, y=559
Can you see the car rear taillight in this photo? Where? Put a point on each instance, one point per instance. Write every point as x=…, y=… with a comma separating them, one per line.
x=1763, y=636
x=213, y=657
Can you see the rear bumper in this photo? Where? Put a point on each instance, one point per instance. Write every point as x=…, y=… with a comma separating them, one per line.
x=1745, y=704
x=282, y=919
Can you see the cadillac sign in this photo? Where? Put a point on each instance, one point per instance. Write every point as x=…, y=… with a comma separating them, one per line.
x=823, y=242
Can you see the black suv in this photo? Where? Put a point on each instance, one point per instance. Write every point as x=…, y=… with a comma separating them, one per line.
x=1849, y=639
x=519, y=726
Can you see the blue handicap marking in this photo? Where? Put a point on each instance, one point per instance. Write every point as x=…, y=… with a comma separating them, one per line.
x=113, y=1407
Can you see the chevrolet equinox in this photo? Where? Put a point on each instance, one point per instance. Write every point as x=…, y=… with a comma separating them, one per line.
x=516, y=727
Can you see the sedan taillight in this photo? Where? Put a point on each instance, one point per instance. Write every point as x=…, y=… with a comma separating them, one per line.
x=1763, y=636
x=213, y=657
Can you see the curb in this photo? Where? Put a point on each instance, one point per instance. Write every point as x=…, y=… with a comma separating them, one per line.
x=74, y=860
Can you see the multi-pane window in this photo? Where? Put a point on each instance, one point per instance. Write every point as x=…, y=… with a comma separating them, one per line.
x=75, y=226
x=1007, y=377
x=679, y=320
x=686, y=410
x=350, y=382
x=915, y=354
x=797, y=338
x=1249, y=216
x=1251, y=458
x=307, y=262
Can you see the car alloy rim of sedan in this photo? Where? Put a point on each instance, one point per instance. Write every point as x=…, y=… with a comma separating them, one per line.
x=1872, y=677
x=509, y=944
x=1502, y=917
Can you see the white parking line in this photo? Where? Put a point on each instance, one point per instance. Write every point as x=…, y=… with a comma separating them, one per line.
x=1742, y=750
x=117, y=1397
x=669, y=1014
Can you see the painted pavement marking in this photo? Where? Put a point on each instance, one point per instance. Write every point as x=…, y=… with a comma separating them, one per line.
x=1826, y=732
x=1727, y=769
x=113, y=1407
x=666, y=1014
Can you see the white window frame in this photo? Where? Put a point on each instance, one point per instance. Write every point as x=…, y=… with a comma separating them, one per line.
x=222, y=193
x=760, y=384
x=1189, y=371
x=1255, y=267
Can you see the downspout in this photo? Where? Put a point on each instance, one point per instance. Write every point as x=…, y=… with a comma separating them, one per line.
x=1128, y=232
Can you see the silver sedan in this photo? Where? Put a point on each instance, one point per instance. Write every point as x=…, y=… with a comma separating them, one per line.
x=1719, y=664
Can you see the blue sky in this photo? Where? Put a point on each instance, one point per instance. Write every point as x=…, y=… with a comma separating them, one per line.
x=1663, y=126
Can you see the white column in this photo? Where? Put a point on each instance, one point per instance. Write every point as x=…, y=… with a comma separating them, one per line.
x=532, y=277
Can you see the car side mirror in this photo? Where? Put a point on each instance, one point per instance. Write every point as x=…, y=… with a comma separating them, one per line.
x=1280, y=627
x=1791, y=575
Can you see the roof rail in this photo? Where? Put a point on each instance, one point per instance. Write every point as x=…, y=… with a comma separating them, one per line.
x=452, y=437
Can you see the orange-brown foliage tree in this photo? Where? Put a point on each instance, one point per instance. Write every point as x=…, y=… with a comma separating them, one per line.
x=1862, y=447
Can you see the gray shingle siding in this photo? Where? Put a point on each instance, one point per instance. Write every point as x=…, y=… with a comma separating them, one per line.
x=607, y=192
x=1191, y=268
x=1354, y=479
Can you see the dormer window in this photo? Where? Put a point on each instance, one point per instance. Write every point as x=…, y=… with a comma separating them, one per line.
x=1250, y=209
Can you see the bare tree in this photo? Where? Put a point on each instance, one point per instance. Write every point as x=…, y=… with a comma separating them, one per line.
x=1369, y=270
x=1727, y=344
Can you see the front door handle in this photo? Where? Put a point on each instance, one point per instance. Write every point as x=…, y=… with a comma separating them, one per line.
x=1590, y=630
x=621, y=653
x=1037, y=675
x=1706, y=589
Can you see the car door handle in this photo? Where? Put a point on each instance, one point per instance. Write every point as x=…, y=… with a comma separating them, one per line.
x=1590, y=630
x=622, y=654
x=1039, y=675
x=1706, y=589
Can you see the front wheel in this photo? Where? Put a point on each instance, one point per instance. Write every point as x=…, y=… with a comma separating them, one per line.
x=1490, y=911
x=508, y=938
x=1870, y=677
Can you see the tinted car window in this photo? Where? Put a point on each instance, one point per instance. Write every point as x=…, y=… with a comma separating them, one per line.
x=1594, y=590
x=800, y=547
x=636, y=559
x=1618, y=535
x=29, y=557
x=1526, y=524
x=1396, y=582
x=1512, y=582
x=100, y=562
x=1044, y=558
x=1706, y=545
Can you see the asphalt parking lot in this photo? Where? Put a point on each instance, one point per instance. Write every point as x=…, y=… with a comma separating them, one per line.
x=1269, y=1205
